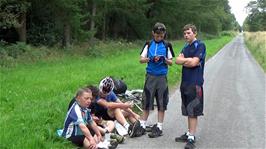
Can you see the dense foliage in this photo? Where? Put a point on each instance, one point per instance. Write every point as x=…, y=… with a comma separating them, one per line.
x=256, y=20
x=68, y=21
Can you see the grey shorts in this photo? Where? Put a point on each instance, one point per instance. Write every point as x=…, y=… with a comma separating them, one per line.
x=155, y=87
x=192, y=100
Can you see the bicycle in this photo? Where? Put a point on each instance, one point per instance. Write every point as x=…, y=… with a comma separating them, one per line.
x=134, y=96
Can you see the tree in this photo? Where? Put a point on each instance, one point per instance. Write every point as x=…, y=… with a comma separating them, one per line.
x=256, y=19
x=13, y=14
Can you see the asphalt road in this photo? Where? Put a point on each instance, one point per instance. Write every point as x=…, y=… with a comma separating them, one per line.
x=234, y=108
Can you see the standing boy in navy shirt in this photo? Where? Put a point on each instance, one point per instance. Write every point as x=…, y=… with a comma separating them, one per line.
x=192, y=57
x=158, y=55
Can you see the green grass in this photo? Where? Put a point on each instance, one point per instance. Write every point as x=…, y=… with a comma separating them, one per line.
x=34, y=97
x=256, y=43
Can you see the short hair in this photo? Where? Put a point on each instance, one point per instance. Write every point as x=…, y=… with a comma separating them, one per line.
x=159, y=28
x=82, y=90
x=94, y=90
x=192, y=26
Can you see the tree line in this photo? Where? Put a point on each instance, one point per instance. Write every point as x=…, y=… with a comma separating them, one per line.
x=256, y=20
x=49, y=22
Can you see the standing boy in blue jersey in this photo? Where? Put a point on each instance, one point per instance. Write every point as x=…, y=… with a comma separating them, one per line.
x=192, y=57
x=158, y=55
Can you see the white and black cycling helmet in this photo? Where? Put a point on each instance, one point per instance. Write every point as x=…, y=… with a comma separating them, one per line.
x=106, y=85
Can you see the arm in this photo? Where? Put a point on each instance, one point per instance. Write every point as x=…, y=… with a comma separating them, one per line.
x=170, y=55
x=143, y=55
x=113, y=105
x=136, y=116
x=87, y=134
x=168, y=61
x=144, y=59
x=187, y=62
x=96, y=119
x=94, y=127
x=191, y=62
x=129, y=110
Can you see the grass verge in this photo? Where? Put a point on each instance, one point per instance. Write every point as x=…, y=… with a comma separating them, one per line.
x=256, y=43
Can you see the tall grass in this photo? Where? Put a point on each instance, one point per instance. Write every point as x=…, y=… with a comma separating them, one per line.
x=34, y=97
x=256, y=43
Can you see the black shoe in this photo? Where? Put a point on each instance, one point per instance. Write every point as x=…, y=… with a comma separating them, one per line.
x=190, y=144
x=133, y=129
x=155, y=132
x=148, y=128
x=182, y=138
x=140, y=131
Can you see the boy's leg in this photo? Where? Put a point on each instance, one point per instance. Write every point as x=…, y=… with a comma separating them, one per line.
x=148, y=98
x=86, y=144
x=102, y=131
x=144, y=118
x=106, y=126
x=192, y=125
x=110, y=125
x=160, y=116
x=162, y=99
x=117, y=113
x=183, y=137
x=133, y=117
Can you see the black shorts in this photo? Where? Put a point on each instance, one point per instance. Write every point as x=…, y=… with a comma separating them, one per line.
x=192, y=100
x=155, y=87
x=77, y=140
x=104, y=115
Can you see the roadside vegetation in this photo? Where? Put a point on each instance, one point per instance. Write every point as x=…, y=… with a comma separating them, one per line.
x=34, y=95
x=256, y=43
x=49, y=49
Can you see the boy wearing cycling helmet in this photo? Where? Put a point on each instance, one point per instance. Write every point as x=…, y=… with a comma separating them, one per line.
x=109, y=107
x=158, y=54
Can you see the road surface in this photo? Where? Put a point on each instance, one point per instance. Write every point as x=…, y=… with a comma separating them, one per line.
x=234, y=108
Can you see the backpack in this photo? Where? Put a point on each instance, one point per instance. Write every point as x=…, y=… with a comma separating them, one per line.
x=167, y=47
x=120, y=86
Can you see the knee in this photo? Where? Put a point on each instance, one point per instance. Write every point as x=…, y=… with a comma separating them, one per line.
x=110, y=124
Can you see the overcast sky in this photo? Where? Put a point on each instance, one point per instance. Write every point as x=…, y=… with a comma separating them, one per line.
x=238, y=9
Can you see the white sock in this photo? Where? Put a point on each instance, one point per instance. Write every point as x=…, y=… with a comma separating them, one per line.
x=192, y=137
x=126, y=125
x=142, y=123
x=187, y=133
x=160, y=125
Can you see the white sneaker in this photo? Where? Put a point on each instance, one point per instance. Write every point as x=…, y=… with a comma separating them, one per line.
x=103, y=145
x=120, y=129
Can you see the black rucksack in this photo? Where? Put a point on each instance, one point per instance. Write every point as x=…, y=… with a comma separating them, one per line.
x=167, y=45
x=120, y=86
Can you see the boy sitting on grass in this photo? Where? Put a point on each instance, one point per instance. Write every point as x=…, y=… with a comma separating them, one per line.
x=77, y=119
x=104, y=126
x=109, y=107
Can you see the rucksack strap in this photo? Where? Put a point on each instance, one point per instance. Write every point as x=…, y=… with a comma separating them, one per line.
x=168, y=46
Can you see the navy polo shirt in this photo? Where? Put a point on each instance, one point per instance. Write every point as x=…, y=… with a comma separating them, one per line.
x=194, y=76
